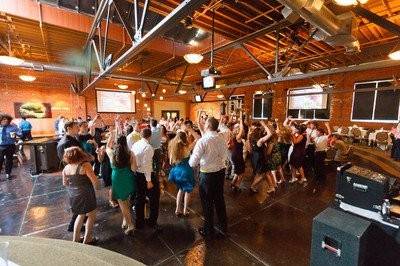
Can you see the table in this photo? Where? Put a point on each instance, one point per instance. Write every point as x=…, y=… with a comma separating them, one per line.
x=43, y=251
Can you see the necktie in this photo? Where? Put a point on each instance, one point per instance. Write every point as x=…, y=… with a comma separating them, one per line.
x=3, y=134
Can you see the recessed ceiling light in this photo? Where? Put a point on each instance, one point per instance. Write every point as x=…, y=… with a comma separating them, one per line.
x=395, y=55
x=161, y=98
x=164, y=91
x=199, y=32
x=194, y=43
x=346, y=2
x=122, y=86
x=10, y=60
x=27, y=78
x=193, y=58
x=145, y=105
x=182, y=92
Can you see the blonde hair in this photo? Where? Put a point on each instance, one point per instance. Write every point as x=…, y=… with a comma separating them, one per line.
x=177, y=147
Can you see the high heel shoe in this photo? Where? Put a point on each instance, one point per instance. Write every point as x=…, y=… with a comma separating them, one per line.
x=124, y=226
x=129, y=230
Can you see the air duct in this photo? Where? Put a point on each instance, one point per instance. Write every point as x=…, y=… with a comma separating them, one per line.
x=332, y=29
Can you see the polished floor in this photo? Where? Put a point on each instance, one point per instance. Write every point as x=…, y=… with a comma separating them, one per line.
x=264, y=230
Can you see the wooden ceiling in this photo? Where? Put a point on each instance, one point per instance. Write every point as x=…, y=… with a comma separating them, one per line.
x=233, y=19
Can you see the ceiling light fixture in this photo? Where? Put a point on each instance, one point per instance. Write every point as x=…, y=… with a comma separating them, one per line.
x=164, y=90
x=193, y=58
x=182, y=92
x=194, y=43
x=27, y=78
x=350, y=2
x=143, y=94
x=395, y=55
x=153, y=95
x=122, y=86
x=10, y=60
x=148, y=109
x=161, y=98
x=137, y=101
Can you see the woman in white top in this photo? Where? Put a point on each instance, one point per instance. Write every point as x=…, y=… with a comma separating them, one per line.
x=321, y=145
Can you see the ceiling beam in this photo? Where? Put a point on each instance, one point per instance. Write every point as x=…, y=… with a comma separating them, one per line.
x=326, y=72
x=378, y=20
x=176, y=15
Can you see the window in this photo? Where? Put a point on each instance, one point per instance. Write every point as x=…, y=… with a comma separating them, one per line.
x=235, y=103
x=308, y=103
x=262, y=106
x=375, y=101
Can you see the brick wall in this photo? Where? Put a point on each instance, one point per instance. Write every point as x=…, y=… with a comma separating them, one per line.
x=341, y=103
x=63, y=102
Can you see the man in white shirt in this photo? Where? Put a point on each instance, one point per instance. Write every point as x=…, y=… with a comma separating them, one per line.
x=155, y=142
x=321, y=146
x=210, y=153
x=146, y=182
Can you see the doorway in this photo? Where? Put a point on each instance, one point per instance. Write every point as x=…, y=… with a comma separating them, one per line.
x=170, y=114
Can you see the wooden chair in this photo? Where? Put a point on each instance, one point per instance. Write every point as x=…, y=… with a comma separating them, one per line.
x=344, y=131
x=382, y=139
x=356, y=135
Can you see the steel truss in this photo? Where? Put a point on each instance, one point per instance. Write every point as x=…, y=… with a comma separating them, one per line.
x=97, y=45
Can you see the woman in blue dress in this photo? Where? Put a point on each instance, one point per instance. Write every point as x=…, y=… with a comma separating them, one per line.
x=181, y=173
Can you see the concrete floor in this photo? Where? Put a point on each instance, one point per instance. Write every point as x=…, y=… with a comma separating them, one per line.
x=264, y=230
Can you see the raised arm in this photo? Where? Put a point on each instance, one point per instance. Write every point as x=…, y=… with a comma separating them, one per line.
x=264, y=139
x=110, y=140
x=200, y=124
x=241, y=128
x=328, y=127
x=287, y=121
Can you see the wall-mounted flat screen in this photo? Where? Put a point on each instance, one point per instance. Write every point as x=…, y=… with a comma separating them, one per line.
x=308, y=98
x=109, y=101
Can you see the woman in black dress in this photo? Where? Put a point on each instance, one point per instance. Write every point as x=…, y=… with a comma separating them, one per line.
x=236, y=147
x=297, y=156
x=257, y=142
x=79, y=178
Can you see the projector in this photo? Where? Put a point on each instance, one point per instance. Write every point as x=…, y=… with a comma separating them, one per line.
x=212, y=71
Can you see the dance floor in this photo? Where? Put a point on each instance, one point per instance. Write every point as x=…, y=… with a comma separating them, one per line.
x=273, y=230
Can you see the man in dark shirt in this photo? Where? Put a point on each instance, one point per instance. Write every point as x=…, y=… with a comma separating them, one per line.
x=67, y=141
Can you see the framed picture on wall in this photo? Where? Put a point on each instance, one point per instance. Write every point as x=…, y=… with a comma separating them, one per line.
x=32, y=110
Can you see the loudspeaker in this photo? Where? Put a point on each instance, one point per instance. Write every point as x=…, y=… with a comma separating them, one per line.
x=339, y=238
x=44, y=157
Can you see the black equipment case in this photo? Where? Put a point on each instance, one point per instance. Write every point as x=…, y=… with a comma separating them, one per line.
x=361, y=187
x=339, y=238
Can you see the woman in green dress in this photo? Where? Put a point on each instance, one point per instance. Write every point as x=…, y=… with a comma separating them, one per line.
x=123, y=164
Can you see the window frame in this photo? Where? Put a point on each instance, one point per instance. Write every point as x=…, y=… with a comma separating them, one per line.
x=374, y=107
x=328, y=106
x=262, y=105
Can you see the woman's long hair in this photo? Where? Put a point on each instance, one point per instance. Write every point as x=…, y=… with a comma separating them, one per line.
x=177, y=147
x=122, y=154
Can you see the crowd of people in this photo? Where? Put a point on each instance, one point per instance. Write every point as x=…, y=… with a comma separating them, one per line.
x=136, y=158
